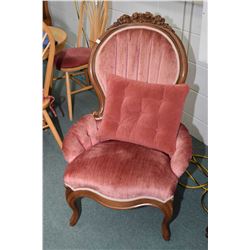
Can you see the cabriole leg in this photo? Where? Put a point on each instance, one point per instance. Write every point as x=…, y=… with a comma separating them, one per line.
x=168, y=212
x=72, y=202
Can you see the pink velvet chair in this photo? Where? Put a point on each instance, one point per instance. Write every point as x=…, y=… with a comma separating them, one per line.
x=123, y=175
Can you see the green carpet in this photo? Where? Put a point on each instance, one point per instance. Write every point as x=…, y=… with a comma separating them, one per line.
x=103, y=228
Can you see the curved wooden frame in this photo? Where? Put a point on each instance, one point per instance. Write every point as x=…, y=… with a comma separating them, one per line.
x=136, y=19
x=73, y=196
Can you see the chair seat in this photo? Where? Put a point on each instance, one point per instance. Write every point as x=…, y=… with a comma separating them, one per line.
x=72, y=57
x=122, y=171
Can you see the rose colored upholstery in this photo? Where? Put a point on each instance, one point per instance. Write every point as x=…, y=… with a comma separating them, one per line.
x=80, y=137
x=72, y=57
x=142, y=113
x=139, y=53
x=122, y=171
x=183, y=153
x=86, y=155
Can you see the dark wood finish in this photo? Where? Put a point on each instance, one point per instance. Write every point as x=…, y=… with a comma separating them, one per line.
x=46, y=14
x=73, y=196
x=146, y=17
x=137, y=19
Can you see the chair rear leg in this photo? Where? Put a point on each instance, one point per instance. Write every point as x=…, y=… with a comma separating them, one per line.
x=72, y=202
x=85, y=71
x=168, y=212
x=69, y=98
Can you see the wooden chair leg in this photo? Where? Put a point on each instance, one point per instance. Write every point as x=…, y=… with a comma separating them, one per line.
x=86, y=75
x=72, y=202
x=69, y=99
x=168, y=212
x=52, y=128
x=51, y=81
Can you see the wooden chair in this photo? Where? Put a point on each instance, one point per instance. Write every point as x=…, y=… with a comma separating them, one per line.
x=46, y=14
x=74, y=61
x=118, y=174
x=49, y=49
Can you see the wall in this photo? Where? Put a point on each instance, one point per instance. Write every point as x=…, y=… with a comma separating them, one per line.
x=189, y=20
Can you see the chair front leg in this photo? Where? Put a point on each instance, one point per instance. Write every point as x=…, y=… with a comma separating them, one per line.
x=72, y=202
x=168, y=212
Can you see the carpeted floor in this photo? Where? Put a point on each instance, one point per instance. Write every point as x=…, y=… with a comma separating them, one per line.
x=104, y=228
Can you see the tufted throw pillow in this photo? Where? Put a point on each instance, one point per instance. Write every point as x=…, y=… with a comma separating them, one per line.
x=143, y=113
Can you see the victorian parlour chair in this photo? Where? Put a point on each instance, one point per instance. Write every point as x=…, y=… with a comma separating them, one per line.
x=74, y=61
x=132, y=151
x=49, y=54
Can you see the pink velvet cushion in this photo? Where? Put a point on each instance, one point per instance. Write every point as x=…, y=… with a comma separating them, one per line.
x=72, y=57
x=143, y=113
x=116, y=170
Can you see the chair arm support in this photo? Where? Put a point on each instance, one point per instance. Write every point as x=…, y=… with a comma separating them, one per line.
x=183, y=153
x=80, y=137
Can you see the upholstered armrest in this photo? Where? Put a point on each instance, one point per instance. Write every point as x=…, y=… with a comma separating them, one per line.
x=80, y=137
x=183, y=153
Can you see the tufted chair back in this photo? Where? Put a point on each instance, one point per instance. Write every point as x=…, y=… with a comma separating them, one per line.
x=139, y=47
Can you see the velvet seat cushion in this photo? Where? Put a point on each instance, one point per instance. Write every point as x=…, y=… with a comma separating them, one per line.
x=82, y=136
x=72, y=57
x=143, y=113
x=122, y=171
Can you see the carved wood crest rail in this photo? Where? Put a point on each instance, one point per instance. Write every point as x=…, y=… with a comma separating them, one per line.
x=146, y=17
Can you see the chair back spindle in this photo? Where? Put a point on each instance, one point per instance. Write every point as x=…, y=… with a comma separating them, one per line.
x=97, y=15
x=49, y=48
